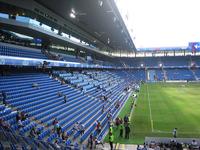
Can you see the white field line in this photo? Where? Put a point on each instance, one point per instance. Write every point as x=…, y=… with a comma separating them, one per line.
x=161, y=131
x=150, y=113
x=181, y=132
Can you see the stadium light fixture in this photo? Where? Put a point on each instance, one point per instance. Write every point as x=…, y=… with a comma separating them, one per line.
x=72, y=13
x=108, y=40
x=100, y=3
x=114, y=19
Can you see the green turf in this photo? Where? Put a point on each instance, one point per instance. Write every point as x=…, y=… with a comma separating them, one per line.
x=172, y=105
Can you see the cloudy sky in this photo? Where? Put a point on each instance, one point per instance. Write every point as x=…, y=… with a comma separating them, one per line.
x=162, y=23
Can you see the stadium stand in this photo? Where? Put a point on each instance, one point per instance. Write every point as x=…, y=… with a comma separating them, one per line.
x=160, y=74
x=169, y=61
x=19, y=51
x=172, y=143
x=65, y=78
x=43, y=105
x=179, y=74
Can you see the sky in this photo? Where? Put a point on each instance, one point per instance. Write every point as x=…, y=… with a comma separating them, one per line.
x=161, y=23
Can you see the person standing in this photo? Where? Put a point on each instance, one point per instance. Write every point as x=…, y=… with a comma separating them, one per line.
x=98, y=127
x=127, y=131
x=65, y=99
x=121, y=130
x=111, y=128
x=126, y=120
x=111, y=139
x=90, y=141
x=4, y=95
x=103, y=109
x=174, y=132
x=81, y=128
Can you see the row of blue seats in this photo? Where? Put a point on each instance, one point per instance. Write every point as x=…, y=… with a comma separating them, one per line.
x=12, y=51
x=87, y=118
x=27, y=103
x=100, y=119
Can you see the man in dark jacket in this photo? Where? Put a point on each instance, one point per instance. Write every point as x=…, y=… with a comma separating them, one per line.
x=127, y=131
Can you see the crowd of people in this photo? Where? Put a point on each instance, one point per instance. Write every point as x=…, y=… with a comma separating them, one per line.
x=172, y=145
x=20, y=118
x=93, y=141
x=4, y=124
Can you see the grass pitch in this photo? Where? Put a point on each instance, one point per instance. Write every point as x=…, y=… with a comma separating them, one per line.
x=160, y=108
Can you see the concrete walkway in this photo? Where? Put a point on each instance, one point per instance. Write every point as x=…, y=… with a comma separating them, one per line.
x=117, y=147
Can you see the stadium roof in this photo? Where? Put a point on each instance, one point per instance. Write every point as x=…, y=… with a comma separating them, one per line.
x=100, y=18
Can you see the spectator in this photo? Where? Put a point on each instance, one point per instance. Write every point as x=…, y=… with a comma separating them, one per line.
x=35, y=85
x=111, y=139
x=58, y=129
x=121, y=120
x=138, y=147
x=18, y=116
x=111, y=128
x=145, y=147
x=76, y=126
x=194, y=144
x=127, y=131
x=117, y=121
x=38, y=132
x=59, y=93
x=20, y=124
x=32, y=133
x=102, y=97
x=105, y=98
x=97, y=142
x=56, y=144
x=121, y=130
x=65, y=99
x=64, y=136
x=117, y=104
x=55, y=121
x=126, y=119
x=109, y=115
x=83, y=90
x=4, y=124
x=4, y=97
x=174, y=132
x=23, y=116
x=98, y=127
x=103, y=109
x=62, y=82
x=152, y=144
x=81, y=128
x=90, y=141
x=173, y=144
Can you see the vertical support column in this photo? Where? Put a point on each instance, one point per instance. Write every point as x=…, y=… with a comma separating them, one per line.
x=60, y=30
x=77, y=52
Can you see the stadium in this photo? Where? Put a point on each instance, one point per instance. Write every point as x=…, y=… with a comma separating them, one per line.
x=99, y=74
